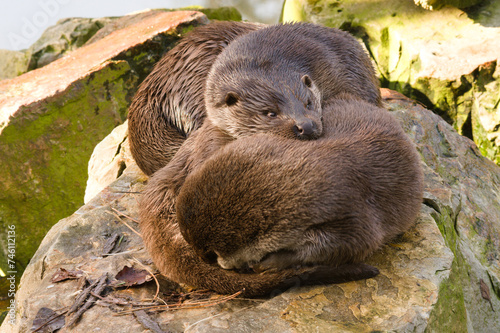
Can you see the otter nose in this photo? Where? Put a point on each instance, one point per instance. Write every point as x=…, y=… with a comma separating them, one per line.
x=305, y=130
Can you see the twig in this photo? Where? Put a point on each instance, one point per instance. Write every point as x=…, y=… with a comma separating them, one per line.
x=120, y=253
x=121, y=220
x=153, y=276
x=82, y=297
x=194, y=305
x=91, y=300
x=122, y=214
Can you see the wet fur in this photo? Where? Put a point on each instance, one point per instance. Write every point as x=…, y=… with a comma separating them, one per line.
x=270, y=203
x=169, y=103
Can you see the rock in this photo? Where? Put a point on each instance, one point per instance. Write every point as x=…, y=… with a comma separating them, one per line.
x=12, y=63
x=52, y=118
x=438, y=4
x=429, y=281
x=108, y=161
x=220, y=13
x=447, y=59
x=66, y=35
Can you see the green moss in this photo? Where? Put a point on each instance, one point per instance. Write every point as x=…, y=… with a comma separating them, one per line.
x=222, y=13
x=449, y=313
x=219, y=13
x=47, y=148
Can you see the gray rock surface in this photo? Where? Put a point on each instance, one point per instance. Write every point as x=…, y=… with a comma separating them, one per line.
x=430, y=279
x=12, y=63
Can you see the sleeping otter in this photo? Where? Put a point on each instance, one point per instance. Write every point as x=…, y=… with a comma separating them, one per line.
x=267, y=72
x=270, y=203
x=177, y=260
x=272, y=79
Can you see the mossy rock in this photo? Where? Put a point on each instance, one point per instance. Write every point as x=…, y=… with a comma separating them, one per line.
x=447, y=59
x=52, y=118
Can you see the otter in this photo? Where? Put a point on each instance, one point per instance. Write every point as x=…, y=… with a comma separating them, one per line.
x=178, y=261
x=271, y=72
x=269, y=204
x=169, y=103
x=263, y=79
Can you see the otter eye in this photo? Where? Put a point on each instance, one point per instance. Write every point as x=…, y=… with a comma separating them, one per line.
x=272, y=114
x=309, y=105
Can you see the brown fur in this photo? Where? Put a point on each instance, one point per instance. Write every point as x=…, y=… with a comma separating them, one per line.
x=174, y=256
x=169, y=102
x=271, y=203
x=261, y=72
x=276, y=80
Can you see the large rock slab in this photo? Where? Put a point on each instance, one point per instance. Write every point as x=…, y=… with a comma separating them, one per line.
x=430, y=279
x=68, y=34
x=447, y=59
x=52, y=118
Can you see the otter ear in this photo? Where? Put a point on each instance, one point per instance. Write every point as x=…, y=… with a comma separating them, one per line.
x=231, y=98
x=307, y=80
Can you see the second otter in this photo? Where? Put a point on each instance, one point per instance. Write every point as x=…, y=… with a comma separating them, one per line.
x=269, y=203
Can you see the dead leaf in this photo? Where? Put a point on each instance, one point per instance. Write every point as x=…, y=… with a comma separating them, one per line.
x=485, y=292
x=62, y=274
x=129, y=276
x=47, y=321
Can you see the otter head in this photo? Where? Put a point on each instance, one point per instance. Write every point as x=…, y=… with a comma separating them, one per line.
x=243, y=104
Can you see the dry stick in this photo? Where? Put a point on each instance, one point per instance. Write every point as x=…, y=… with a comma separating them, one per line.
x=122, y=214
x=147, y=322
x=82, y=297
x=194, y=305
x=121, y=220
x=91, y=300
x=154, y=277
x=110, y=244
